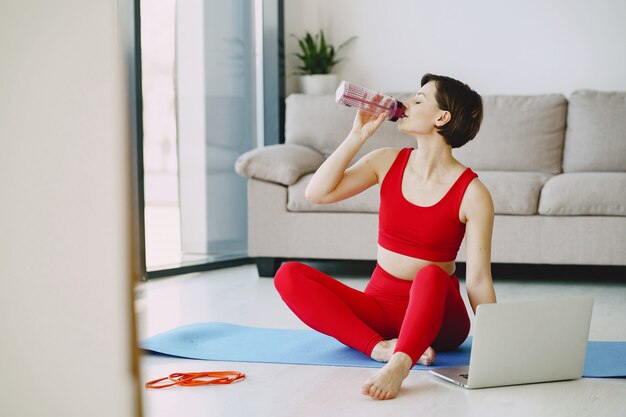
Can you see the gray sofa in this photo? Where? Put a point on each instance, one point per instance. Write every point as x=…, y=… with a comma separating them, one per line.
x=555, y=167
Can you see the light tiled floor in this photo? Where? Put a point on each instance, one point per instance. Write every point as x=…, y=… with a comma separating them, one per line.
x=239, y=296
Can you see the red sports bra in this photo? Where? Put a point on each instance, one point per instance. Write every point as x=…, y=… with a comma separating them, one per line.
x=432, y=233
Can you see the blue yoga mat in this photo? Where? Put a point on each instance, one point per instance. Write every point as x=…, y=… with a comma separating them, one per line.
x=233, y=343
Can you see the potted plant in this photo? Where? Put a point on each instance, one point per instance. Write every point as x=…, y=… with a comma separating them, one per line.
x=317, y=59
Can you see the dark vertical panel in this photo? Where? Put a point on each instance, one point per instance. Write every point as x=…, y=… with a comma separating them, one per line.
x=136, y=106
x=273, y=72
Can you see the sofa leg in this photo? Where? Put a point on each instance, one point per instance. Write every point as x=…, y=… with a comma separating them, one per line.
x=268, y=266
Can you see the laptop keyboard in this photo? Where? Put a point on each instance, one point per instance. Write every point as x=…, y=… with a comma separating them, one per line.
x=465, y=376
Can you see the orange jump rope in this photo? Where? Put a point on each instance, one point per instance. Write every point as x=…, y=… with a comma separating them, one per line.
x=191, y=379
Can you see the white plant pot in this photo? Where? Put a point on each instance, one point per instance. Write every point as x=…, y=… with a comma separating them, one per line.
x=319, y=84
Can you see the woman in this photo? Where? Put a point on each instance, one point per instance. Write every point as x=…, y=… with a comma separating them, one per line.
x=412, y=305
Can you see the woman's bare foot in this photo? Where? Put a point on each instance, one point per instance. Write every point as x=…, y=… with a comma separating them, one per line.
x=383, y=351
x=428, y=358
x=386, y=383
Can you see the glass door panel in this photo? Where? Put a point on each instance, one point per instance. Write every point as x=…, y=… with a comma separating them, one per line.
x=199, y=116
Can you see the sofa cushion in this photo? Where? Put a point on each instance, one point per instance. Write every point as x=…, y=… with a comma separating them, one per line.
x=316, y=121
x=518, y=133
x=282, y=164
x=365, y=202
x=514, y=193
x=585, y=193
x=596, y=132
x=319, y=122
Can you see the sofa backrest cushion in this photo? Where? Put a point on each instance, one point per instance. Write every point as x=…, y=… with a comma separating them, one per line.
x=320, y=123
x=518, y=133
x=596, y=132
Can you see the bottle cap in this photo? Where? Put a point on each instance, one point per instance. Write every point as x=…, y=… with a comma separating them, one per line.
x=399, y=113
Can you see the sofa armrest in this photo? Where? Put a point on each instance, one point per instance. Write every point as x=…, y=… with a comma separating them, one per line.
x=282, y=164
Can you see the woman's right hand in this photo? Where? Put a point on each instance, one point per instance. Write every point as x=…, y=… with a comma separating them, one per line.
x=365, y=123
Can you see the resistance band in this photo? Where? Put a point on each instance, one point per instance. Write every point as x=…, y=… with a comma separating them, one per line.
x=191, y=379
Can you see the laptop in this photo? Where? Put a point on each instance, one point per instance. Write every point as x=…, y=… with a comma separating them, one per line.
x=525, y=342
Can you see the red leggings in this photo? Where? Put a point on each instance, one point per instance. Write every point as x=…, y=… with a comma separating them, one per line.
x=427, y=311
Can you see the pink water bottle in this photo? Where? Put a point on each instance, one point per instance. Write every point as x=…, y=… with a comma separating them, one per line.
x=353, y=95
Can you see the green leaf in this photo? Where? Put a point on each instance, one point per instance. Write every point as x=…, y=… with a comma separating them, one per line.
x=346, y=43
x=322, y=49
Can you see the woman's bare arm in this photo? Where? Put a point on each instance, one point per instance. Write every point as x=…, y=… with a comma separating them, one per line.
x=334, y=181
x=479, y=227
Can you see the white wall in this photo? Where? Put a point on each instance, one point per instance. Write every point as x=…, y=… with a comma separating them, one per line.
x=65, y=309
x=497, y=47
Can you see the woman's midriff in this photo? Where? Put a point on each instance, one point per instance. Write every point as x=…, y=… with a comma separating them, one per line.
x=406, y=267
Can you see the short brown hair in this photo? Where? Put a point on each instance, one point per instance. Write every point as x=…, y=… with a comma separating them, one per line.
x=465, y=106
